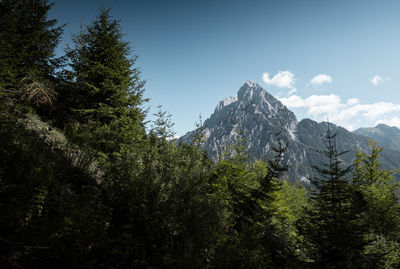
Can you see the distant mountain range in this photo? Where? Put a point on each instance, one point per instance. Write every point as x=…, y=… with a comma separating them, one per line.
x=259, y=116
x=386, y=136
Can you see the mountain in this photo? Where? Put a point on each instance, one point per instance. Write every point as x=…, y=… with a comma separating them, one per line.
x=258, y=117
x=386, y=136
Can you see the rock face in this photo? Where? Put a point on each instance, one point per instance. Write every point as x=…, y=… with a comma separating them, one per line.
x=386, y=136
x=259, y=116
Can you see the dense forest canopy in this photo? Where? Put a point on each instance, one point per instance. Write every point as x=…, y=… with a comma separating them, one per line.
x=84, y=184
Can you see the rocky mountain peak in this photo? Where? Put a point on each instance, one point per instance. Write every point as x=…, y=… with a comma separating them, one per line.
x=253, y=98
x=252, y=93
x=252, y=102
x=253, y=112
x=248, y=90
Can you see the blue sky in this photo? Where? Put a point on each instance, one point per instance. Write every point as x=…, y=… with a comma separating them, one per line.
x=318, y=57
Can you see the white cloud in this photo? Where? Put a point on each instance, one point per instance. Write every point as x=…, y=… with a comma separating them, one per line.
x=321, y=79
x=376, y=79
x=284, y=79
x=311, y=101
x=352, y=101
x=315, y=104
x=347, y=114
x=394, y=121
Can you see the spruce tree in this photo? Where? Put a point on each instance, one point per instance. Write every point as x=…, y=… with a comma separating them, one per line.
x=251, y=238
x=331, y=227
x=27, y=42
x=105, y=92
x=280, y=252
x=107, y=83
x=162, y=125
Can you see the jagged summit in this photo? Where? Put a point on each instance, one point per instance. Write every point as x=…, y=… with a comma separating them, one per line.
x=252, y=105
x=249, y=90
x=244, y=93
x=254, y=98
x=251, y=83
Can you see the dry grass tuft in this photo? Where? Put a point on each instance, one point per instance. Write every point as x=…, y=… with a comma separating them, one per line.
x=36, y=93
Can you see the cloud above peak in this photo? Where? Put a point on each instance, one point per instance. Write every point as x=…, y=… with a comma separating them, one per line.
x=283, y=79
x=376, y=80
x=394, y=121
x=320, y=79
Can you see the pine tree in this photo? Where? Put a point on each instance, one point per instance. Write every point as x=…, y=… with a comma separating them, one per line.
x=27, y=42
x=331, y=227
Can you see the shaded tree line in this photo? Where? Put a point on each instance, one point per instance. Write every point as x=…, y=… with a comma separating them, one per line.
x=84, y=184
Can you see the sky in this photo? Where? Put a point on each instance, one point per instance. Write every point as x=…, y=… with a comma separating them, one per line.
x=324, y=59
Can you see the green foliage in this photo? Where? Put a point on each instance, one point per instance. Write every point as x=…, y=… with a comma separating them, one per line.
x=163, y=212
x=256, y=232
x=51, y=212
x=107, y=84
x=27, y=42
x=382, y=209
x=162, y=125
x=103, y=90
x=289, y=203
x=331, y=227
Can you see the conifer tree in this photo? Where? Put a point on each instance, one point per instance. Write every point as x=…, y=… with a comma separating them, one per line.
x=379, y=191
x=271, y=182
x=250, y=190
x=162, y=125
x=27, y=42
x=331, y=227
x=107, y=83
x=106, y=88
x=273, y=243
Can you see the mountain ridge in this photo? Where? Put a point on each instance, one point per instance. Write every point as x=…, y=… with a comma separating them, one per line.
x=387, y=136
x=258, y=117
